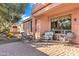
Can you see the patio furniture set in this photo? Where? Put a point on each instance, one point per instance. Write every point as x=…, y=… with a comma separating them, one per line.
x=62, y=37
x=51, y=36
x=24, y=36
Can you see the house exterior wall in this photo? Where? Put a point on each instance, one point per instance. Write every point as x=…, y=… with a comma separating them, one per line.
x=44, y=16
x=75, y=25
x=27, y=27
x=24, y=26
x=14, y=28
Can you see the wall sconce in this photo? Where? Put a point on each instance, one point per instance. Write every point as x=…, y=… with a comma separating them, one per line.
x=75, y=19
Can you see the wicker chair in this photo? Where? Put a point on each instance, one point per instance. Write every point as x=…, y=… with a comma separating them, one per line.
x=70, y=36
x=48, y=35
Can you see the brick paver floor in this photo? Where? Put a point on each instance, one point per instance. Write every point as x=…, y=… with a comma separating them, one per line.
x=19, y=49
x=58, y=49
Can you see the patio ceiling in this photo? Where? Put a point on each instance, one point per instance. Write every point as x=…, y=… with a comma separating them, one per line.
x=39, y=6
x=57, y=8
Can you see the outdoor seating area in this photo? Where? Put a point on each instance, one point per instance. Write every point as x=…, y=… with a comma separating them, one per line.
x=39, y=29
x=47, y=36
x=58, y=20
x=65, y=36
x=25, y=36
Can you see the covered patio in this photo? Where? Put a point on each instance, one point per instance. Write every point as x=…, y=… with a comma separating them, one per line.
x=45, y=18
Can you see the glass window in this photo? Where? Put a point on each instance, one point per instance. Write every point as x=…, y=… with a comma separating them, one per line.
x=30, y=26
x=14, y=26
x=63, y=22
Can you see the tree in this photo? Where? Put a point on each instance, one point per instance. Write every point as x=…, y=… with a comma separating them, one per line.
x=10, y=13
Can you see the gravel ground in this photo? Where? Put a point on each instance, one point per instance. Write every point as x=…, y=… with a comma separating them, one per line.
x=58, y=49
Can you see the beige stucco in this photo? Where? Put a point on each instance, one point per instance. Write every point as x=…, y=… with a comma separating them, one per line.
x=44, y=15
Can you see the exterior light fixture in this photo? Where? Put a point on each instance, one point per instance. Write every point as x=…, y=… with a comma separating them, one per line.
x=75, y=19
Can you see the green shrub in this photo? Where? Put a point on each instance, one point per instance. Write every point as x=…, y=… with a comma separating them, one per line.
x=9, y=35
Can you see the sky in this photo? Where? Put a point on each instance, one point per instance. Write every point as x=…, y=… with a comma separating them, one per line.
x=28, y=11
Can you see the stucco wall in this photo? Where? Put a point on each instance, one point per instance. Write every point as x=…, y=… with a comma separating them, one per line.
x=75, y=25
x=25, y=26
x=41, y=26
x=26, y=29
x=44, y=21
x=45, y=25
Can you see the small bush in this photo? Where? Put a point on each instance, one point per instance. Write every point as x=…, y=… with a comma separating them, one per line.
x=9, y=35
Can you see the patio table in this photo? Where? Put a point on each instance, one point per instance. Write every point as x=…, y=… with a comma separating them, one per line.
x=60, y=37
